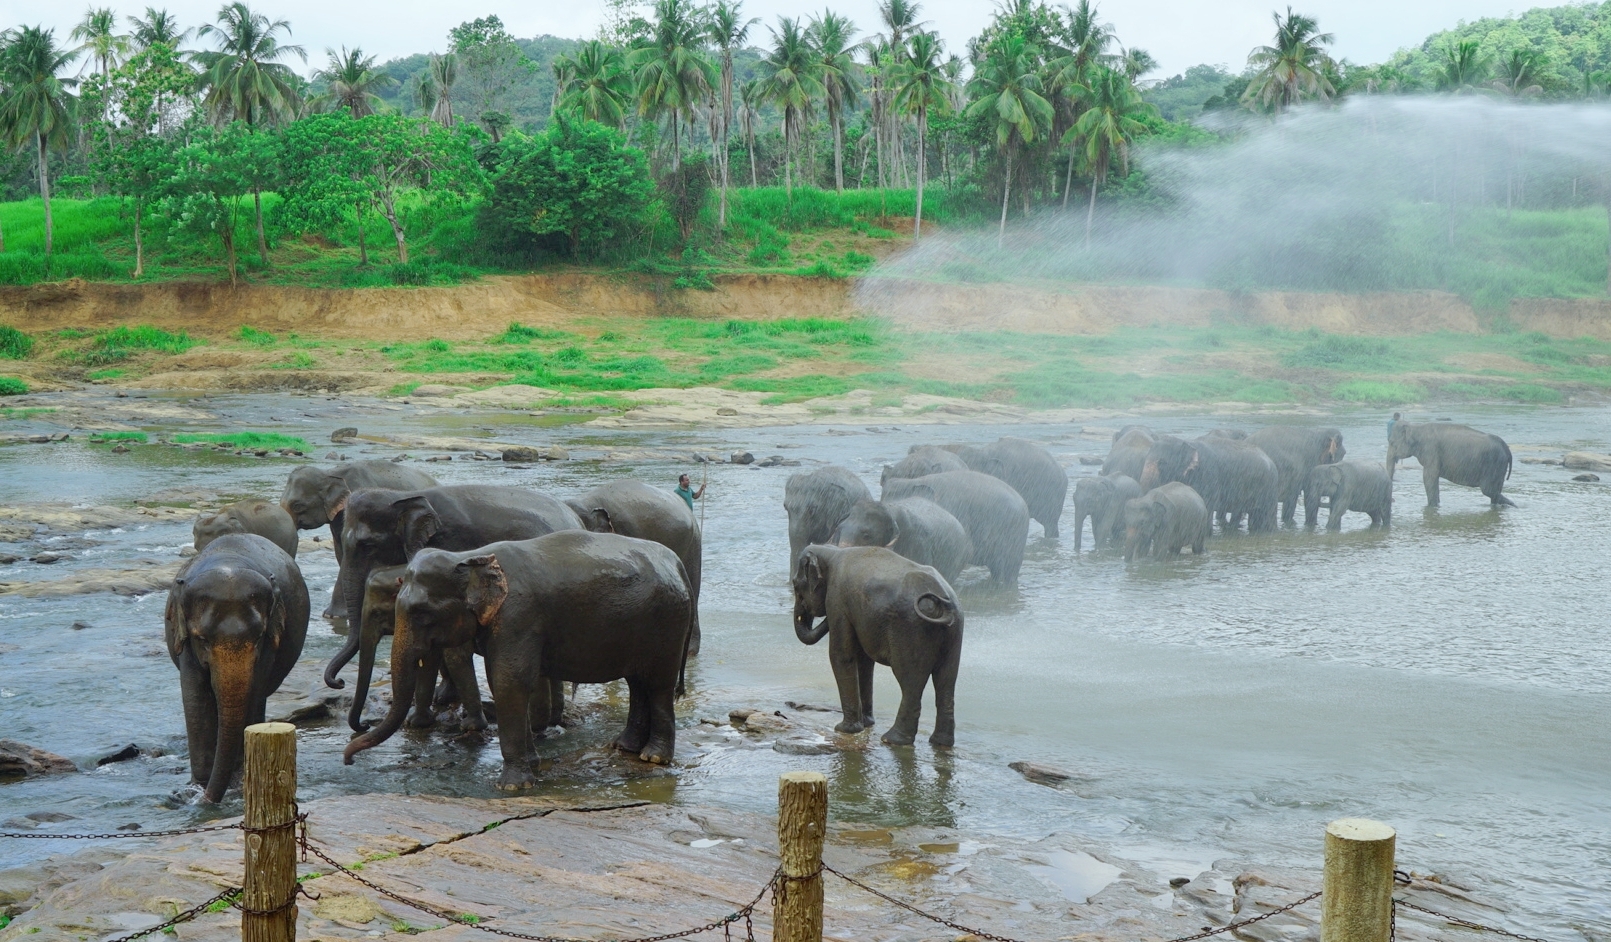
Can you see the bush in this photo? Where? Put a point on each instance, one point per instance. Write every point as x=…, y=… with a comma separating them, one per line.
x=14, y=344
x=120, y=343
x=256, y=337
x=684, y=191
x=12, y=386
x=520, y=333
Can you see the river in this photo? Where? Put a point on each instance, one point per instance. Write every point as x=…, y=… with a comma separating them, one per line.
x=1451, y=676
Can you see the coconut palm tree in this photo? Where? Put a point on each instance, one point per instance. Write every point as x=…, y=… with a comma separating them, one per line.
x=1083, y=47
x=1518, y=74
x=1465, y=67
x=920, y=88
x=830, y=36
x=791, y=81
x=159, y=26
x=729, y=30
x=351, y=82
x=1137, y=62
x=1110, y=122
x=750, y=98
x=1008, y=91
x=436, y=87
x=36, y=106
x=596, y=83
x=1294, y=67
x=97, y=36
x=671, y=70
x=900, y=19
x=243, y=80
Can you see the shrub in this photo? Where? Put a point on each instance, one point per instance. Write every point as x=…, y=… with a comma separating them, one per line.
x=248, y=440
x=256, y=337
x=519, y=333
x=1333, y=352
x=12, y=386
x=120, y=343
x=14, y=344
x=1375, y=393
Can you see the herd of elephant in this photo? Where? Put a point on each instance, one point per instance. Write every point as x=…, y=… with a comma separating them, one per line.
x=604, y=586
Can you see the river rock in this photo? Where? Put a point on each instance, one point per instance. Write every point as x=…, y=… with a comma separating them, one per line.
x=1586, y=477
x=438, y=391
x=347, y=910
x=804, y=747
x=1587, y=461
x=131, y=751
x=1040, y=774
x=741, y=457
x=47, y=558
x=1090, y=460
x=341, y=435
x=20, y=759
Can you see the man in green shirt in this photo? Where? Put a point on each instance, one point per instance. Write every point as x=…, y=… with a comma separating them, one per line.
x=685, y=490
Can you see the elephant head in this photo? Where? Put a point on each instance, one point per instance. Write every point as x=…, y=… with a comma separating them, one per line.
x=383, y=528
x=1142, y=519
x=1325, y=481
x=210, y=527
x=443, y=601
x=870, y=524
x=379, y=617
x=1091, y=493
x=1333, y=451
x=1401, y=444
x=232, y=621
x=594, y=519
x=811, y=573
x=1169, y=459
x=313, y=497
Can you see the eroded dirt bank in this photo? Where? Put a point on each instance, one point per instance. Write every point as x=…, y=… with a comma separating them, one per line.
x=487, y=306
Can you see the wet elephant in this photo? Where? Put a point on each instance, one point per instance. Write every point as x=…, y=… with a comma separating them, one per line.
x=1163, y=521
x=916, y=528
x=1458, y=454
x=1128, y=454
x=578, y=606
x=262, y=517
x=1102, y=499
x=633, y=508
x=235, y=623
x=878, y=607
x=1297, y=450
x=921, y=460
x=816, y=501
x=458, y=666
x=1353, y=485
x=1233, y=477
x=1030, y=469
x=993, y=514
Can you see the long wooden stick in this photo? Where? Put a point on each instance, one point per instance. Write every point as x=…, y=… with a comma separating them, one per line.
x=705, y=482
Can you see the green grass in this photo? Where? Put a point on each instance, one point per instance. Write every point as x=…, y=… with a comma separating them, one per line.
x=120, y=343
x=108, y=437
x=255, y=337
x=22, y=415
x=249, y=441
x=14, y=344
x=105, y=374
x=1376, y=393
x=12, y=386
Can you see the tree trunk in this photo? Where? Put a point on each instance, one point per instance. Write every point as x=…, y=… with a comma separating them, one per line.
x=228, y=234
x=389, y=207
x=363, y=249
x=1090, y=213
x=922, y=169
x=1006, y=190
x=262, y=243
x=139, y=241
x=44, y=191
x=788, y=159
x=838, y=153
x=1068, y=178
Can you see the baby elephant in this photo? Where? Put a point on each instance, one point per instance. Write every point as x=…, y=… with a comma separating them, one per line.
x=262, y=517
x=914, y=527
x=881, y=608
x=1102, y=499
x=1165, y=520
x=460, y=685
x=1354, y=485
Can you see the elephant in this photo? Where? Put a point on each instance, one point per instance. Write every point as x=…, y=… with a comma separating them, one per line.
x=1102, y=499
x=1164, y=520
x=921, y=460
x=387, y=528
x=1458, y=454
x=235, y=622
x=915, y=528
x=379, y=616
x=264, y=518
x=1297, y=450
x=993, y=514
x=1129, y=451
x=314, y=497
x=632, y=508
x=1233, y=477
x=1229, y=434
x=1030, y=469
x=572, y=605
x=878, y=607
x=1352, y=485
x=816, y=501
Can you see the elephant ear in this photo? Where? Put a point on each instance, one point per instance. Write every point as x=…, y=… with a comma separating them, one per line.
x=276, y=615
x=417, y=522
x=333, y=491
x=487, y=588
x=173, y=620
x=598, y=520
x=894, y=534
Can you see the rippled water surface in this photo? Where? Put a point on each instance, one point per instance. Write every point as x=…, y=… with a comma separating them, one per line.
x=1451, y=676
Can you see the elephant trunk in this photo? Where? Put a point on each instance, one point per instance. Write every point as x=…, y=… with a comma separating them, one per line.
x=404, y=678
x=349, y=647
x=368, y=641
x=232, y=672
x=350, y=583
x=1149, y=475
x=803, y=625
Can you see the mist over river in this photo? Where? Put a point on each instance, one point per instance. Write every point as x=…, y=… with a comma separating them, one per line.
x=1451, y=676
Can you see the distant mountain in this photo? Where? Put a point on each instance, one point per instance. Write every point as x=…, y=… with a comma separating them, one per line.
x=530, y=101
x=1574, y=40
x=1181, y=97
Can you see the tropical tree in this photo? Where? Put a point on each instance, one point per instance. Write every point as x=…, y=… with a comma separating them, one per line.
x=158, y=28
x=244, y=80
x=596, y=83
x=1297, y=65
x=1137, y=62
x=729, y=30
x=205, y=184
x=830, y=36
x=1083, y=47
x=136, y=155
x=1518, y=74
x=672, y=72
x=791, y=82
x=98, y=37
x=750, y=98
x=1110, y=122
x=900, y=19
x=490, y=62
x=1008, y=92
x=351, y=83
x=434, y=91
x=921, y=87
x=36, y=106
x=1464, y=67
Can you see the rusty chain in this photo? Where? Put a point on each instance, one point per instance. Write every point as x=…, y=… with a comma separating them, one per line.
x=175, y=832
x=186, y=916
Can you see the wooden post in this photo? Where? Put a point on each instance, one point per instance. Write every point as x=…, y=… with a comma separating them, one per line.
x=1357, y=905
x=802, y=824
x=270, y=786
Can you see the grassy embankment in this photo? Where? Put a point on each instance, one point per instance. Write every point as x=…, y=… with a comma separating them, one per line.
x=600, y=364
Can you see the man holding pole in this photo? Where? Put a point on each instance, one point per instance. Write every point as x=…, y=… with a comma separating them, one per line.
x=686, y=491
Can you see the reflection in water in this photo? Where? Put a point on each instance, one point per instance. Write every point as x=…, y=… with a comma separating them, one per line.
x=899, y=786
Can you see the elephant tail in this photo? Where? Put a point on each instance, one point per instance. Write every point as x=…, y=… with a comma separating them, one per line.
x=687, y=641
x=936, y=609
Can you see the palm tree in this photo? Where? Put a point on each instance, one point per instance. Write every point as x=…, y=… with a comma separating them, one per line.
x=37, y=107
x=159, y=26
x=729, y=30
x=921, y=86
x=244, y=82
x=1294, y=67
x=790, y=80
x=750, y=98
x=830, y=35
x=1138, y=62
x=1106, y=129
x=1085, y=44
x=1464, y=67
x=673, y=74
x=441, y=72
x=98, y=36
x=1518, y=75
x=1007, y=89
x=900, y=20
x=596, y=83
x=351, y=82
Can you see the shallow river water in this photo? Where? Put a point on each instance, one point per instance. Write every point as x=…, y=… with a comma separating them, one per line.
x=1451, y=676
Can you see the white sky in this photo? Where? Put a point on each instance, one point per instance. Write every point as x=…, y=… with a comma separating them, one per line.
x=1180, y=33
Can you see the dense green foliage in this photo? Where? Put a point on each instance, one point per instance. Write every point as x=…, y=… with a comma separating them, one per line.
x=11, y=386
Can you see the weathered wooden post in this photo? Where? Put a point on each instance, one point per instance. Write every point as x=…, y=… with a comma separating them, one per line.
x=802, y=824
x=1357, y=905
x=270, y=787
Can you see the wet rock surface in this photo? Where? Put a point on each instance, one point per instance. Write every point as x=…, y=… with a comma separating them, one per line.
x=20, y=759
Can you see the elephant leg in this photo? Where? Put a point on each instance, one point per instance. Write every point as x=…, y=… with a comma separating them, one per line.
x=636, y=735
x=458, y=666
x=1375, y=518
x=845, y=656
x=864, y=682
x=556, y=702
x=201, y=717
x=1339, y=506
x=912, y=682
x=945, y=698
x=514, y=735
x=662, y=724
x=423, y=717
x=1079, y=529
x=1311, y=507
x=1050, y=526
x=1429, y=478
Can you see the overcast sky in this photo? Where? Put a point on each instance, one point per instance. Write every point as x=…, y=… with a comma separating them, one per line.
x=1180, y=33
